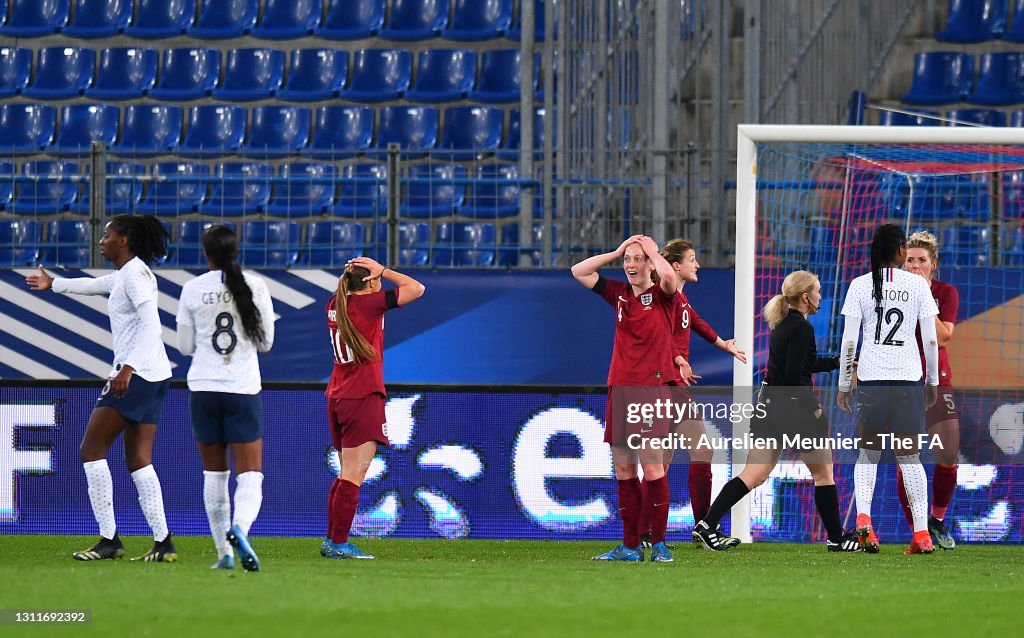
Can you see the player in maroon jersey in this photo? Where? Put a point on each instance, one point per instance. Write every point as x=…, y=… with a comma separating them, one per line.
x=941, y=418
x=641, y=365
x=355, y=393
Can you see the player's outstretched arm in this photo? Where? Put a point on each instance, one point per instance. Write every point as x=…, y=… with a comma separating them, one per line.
x=78, y=285
x=585, y=271
x=729, y=345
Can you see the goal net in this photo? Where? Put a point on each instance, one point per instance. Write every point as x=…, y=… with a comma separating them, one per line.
x=810, y=198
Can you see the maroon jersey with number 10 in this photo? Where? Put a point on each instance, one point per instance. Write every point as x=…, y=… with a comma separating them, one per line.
x=350, y=379
x=642, y=353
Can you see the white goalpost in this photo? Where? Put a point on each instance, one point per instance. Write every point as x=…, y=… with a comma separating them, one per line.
x=840, y=181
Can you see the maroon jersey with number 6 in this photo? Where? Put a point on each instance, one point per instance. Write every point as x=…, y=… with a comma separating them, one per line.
x=349, y=378
x=642, y=353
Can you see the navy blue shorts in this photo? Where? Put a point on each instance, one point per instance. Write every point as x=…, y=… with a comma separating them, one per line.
x=895, y=407
x=224, y=417
x=142, y=403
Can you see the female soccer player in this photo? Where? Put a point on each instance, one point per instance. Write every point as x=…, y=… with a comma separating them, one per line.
x=224, y=318
x=942, y=418
x=641, y=358
x=132, y=399
x=790, y=408
x=887, y=303
x=356, y=395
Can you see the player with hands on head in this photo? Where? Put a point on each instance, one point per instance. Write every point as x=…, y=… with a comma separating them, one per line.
x=133, y=397
x=355, y=393
x=881, y=310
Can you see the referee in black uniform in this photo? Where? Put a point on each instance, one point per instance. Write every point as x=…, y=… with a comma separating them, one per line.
x=790, y=408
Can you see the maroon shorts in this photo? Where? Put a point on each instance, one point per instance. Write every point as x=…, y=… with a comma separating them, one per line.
x=357, y=421
x=625, y=414
x=943, y=410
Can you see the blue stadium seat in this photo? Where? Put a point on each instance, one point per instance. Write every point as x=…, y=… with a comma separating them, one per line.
x=365, y=192
x=149, y=129
x=379, y=75
x=499, y=77
x=432, y=191
x=125, y=73
x=940, y=77
x=66, y=244
x=34, y=18
x=1013, y=246
x=285, y=19
x=465, y=244
x=508, y=253
x=214, y=130
x=936, y=199
x=974, y=21
x=269, y=244
x=443, y=75
x=162, y=18
x=982, y=117
x=413, y=128
x=1013, y=195
x=352, y=19
x=892, y=118
x=344, y=234
x=99, y=18
x=474, y=20
x=341, y=131
x=15, y=69
x=251, y=74
x=26, y=127
x=83, y=124
x=492, y=196
x=188, y=251
x=1015, y=32
x=187, y=74
x=220, y=20
x=123, y=189
x=46, y=197
x=966, y=245
x=62, y=73
x=18, y=241
x=415, y=19
x=7, y=175
x=301, y=196
x=1000, y=79
x=314, y=75
x=471, y=132
x=246, y=189
x=413, y=243
x=515, y=32
x=169, y=198
x=510, y=149
x=277, y=131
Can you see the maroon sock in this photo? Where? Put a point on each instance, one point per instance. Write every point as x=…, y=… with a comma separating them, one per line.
x=943, y=486
x=346, y=500
x=330, y=507
x=901, y=491
x=700, y=489
x=659, y=497
x=630, y=502
x=644, y=524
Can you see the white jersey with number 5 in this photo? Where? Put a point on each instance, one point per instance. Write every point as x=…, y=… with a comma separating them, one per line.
x=888, y=350
x=225, y=358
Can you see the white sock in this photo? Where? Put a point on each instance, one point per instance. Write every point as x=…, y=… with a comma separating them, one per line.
x=218, y=509
x=152, y=500
x=101, y=495
x=248, y=498
x=915, y=480
x=864, y=474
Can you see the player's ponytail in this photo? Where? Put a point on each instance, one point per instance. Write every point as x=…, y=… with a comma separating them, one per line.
x=887, y=241
x=796, y=284
x=352, y=281
x=221, y=247
x=147, y=237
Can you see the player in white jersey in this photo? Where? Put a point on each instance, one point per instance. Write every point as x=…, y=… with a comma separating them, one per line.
x=132, y=399
x=889, y=304
x=224, y=318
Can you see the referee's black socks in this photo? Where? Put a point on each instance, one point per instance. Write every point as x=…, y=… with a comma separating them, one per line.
x=826, y=499
x=731, y=494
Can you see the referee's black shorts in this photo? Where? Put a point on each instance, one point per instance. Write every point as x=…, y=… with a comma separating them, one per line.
x=788, y=418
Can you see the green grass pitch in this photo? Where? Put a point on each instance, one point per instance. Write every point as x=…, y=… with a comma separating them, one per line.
x=515, y=588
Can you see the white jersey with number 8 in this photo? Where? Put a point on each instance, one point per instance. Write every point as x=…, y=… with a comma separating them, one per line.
x=888, y=350
x=225, y=358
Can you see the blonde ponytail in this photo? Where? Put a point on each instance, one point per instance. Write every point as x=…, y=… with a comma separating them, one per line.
x=775, y=311
x=796, y=283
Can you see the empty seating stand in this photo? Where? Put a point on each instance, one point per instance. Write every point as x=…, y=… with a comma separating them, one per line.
x=66, y=244
x=34, y=18
x=62, y=73
x=83, y=124
x=379, y=75
x=341, y=131
x=251, y=74
x=471, y=132
x=53, y=193
x=309, y=190
x=125, y=73
x=177, y=188
x=15, y=70
x=352, y=19
x=474, y=20
x=332, y=244
x=413, y=128
x=277, y=131
x=18, y=241
x=416, y=19
x=99, y=18
x=150, y=129
x=443, y=75
x=971, y=21
x=26, y=127
x=499, y=77
x=315, y=74
x=239, y=188
x=162, y=18
x=465, y=244
x=218, y=19
x=364, y=190
x=1000, y=79
x=122, y=192
x=214, y=130
x=940, y=77
x=286, y=19
x=187, y=74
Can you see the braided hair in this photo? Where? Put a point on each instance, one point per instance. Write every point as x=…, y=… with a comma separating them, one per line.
x=147, y=237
